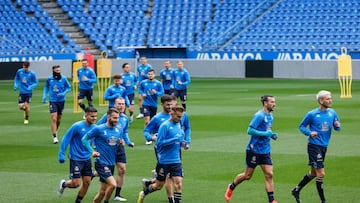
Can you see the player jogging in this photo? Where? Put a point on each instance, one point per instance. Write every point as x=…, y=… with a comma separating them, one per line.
x=258, y=149
x=317, y=125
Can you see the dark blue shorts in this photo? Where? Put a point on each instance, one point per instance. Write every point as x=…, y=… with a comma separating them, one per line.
x=182, y=94
x=120, y=155
x=80, y=168
x=253, y=159
x=85, y=93
x=57, y=107
x=131, y=98
x=149, y=111
x=169, y=92
x=316, y=155
x=173, y=170
x=25, y=98
x=104, y=171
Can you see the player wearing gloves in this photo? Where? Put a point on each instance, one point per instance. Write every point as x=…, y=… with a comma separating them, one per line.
x=80, y=161
x=26, y=80
x=57, y=86
x=258, y=149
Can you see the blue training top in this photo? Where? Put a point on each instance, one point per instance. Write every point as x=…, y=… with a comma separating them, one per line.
x=90, y=75
x=116, y=91
x=168, y=142
x=27, y=81
x=262, y=122
x=129, y=82
x=168, y=78
x=57, y=88
x=183, y=76
x=322, y=122
x=146, y=87
x=106, y=140
x=72, y=137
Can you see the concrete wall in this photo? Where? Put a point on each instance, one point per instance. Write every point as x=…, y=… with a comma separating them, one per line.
x=218, y=68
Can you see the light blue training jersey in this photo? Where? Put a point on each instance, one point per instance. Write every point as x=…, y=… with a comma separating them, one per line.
x=129, y=82
x=142, y=71
x=27, y=81
x=57, y=88
x=322, y=122
x=153, y=126
x=146, y=87
x=261, y=121
x=183, y=76
x=116, y=91
x=168, y=142
x=90, y=74
x=72, y=137
x=106, y=139
x=167, y=75
x=124, y=124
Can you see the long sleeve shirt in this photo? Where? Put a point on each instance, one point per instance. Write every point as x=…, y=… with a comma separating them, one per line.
x=322, y=122
x=26, y=80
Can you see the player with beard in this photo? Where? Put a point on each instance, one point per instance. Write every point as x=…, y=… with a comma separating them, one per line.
x=57, y=86
x=150, y=89
x=258, y=149
x=107, y=137
x=317, y=125
x=120, y=152
x=80, y=161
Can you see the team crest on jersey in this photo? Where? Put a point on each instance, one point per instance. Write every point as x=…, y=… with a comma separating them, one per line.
x=330, y=114
x=56, y=88
x=112, y=141
x=83, y=129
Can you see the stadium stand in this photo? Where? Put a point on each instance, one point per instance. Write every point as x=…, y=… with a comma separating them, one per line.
x=26, y=27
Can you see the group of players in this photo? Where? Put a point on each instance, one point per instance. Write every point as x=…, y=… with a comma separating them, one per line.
x=170, y=129
x=105, y=140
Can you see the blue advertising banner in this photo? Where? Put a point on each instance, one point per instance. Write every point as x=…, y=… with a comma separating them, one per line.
x=264, y=55
x=43, y=57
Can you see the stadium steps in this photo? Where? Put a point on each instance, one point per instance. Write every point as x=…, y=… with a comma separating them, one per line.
x=66, y=24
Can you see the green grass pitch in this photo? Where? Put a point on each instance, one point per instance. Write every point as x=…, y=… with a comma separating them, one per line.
x=220, y=111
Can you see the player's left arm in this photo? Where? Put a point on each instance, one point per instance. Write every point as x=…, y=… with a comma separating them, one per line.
x=187, y=79
x=337, y=124
x=187, y=130
x=35, y=82
x=160, y=90
x=92, y=78
x=67, y=87
x=304, y=123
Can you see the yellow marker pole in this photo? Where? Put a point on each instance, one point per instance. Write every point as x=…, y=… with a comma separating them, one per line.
x=103, y=71
x=345, y=73
x=75, y=86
